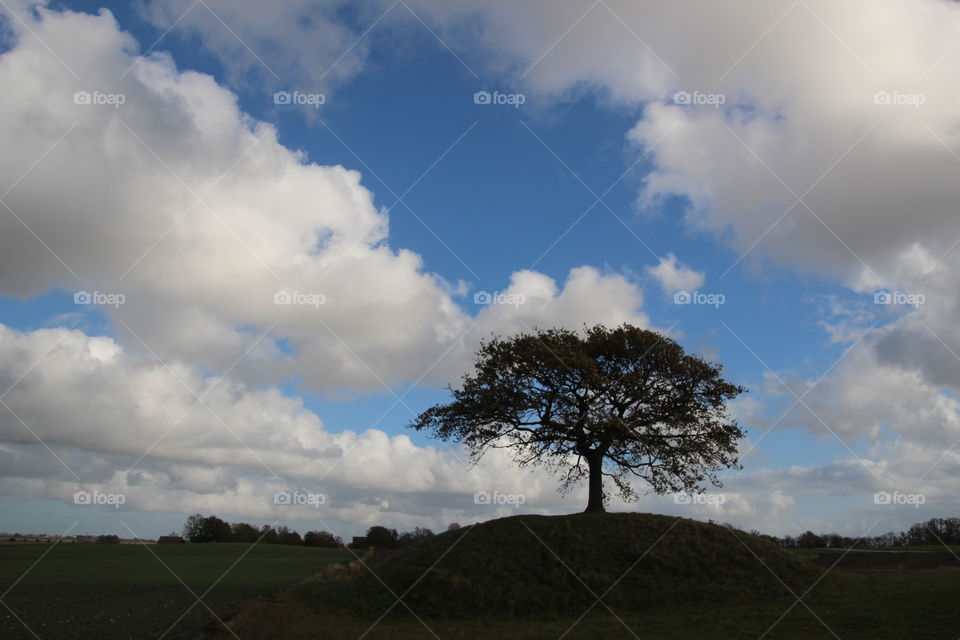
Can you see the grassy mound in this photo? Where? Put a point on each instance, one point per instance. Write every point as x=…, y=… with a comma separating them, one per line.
x=542, y=566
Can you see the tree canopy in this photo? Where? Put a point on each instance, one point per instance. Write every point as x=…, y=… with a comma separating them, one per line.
x=618, y=403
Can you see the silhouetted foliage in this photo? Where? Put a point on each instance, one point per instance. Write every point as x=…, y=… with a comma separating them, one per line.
x=382, y=537
x=286, y=536
x=243, y=532
x=268, y=535
x=216, y=530
x=193, y=528
x=408, y=538
x=808, y=540
x=935, y=531
x=321, y=539
x=108, y=539
x=199, y=528
x=618, y=402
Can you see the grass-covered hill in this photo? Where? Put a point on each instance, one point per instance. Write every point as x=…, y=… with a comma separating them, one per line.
x=542, y=566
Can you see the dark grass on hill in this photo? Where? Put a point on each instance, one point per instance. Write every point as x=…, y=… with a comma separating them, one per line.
x=548, y=566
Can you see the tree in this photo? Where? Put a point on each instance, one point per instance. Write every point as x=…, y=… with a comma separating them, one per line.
x=243, y=532
x=286, y=536
x=108, y=539
x=321, y=539
x=810, y=540
x=611, y=402
x=216, y=530
x=198, y=528
x=408, y=538
x=268, y=535
x=382, y=537
x=193, y=528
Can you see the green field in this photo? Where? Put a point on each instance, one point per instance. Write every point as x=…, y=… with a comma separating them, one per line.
x=135, y=591
x=884, y=602
x=897, y=594
x=264, y=592
x=885, y=606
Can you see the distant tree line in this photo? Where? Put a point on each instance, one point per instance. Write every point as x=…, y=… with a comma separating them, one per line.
x=199, y=528
x=384, y=538
x=932, y=532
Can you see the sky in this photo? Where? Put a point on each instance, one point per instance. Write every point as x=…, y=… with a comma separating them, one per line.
x=243, y=245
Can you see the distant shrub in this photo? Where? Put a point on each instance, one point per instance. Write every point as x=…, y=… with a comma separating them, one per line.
x=378, y=536
x=321, y=539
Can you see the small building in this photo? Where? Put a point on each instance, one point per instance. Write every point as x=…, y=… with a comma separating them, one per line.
x=359, y=542
x=170, y=540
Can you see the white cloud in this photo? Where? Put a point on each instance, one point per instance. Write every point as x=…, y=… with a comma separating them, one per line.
x=200, y=217
x=198, y=263
x=674, y=277
x=81, y=412
x=99, y=408
x=289, y=44
x=881, y=214
x=800, y=114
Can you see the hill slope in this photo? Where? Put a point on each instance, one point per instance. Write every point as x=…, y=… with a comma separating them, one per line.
x=548, y=565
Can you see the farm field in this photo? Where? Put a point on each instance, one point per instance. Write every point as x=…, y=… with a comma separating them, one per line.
x=868, y=605
x=135, y=591
x=262, y=591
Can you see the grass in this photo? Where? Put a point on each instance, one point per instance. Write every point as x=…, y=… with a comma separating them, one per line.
x=125, y=591
x=551, y=565
x=495, y=580
x=501, y=581
x=918, y=605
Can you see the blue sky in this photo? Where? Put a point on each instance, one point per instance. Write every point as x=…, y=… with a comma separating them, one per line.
x=490, y=190
x=500, y=199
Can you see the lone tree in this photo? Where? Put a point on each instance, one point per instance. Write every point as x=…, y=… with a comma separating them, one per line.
x=612, y=402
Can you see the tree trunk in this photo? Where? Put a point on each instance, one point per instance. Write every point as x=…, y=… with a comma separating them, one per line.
x=595, y=465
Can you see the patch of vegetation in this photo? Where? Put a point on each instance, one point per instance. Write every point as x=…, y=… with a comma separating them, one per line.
x=549, y=566
x=702, y=582
x=79, y=591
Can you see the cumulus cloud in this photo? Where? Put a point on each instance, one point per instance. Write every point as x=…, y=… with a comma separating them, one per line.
x=211, y=247
x=294, y=44
x=803, y=135
x=83, y=414
x=80, y=411
x=674, y=277
x=787, y=102
x=230, y=250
